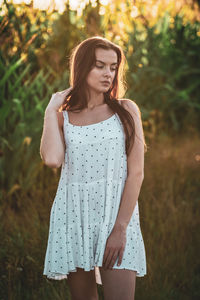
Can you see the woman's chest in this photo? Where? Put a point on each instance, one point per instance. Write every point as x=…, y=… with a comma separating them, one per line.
x=102, y=132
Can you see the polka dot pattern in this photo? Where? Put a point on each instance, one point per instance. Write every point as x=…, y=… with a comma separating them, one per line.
x=87, y=201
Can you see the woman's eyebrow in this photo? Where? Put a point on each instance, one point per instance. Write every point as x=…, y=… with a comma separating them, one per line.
x=104, y=63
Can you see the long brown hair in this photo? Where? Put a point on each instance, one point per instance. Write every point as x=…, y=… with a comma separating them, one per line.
x=82, y=60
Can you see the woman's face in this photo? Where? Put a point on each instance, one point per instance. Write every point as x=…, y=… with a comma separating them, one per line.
x=104, y=69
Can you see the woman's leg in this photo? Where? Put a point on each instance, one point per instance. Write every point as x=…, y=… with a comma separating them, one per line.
x=82, y=285
x=118, y=284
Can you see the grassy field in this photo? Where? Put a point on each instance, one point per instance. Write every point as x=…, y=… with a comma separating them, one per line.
x=169, y=211
x=163, y=70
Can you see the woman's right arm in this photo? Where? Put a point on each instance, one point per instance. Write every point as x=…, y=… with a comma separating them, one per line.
x=52, y=145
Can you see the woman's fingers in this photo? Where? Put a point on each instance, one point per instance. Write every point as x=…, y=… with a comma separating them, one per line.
x=113, y=259
x=106, y=259
x=110, y=259
x=121, y=253
x=66, y=91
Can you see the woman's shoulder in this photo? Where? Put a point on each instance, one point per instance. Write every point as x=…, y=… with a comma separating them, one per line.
x=130, y=105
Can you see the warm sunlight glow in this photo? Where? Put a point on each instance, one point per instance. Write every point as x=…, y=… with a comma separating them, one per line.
x=148, y=10
x=73, y=4
x=104, y=2
x=41, y=4
x=134, y=12
x=102, y=10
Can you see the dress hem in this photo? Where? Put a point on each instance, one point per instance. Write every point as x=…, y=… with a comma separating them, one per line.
x=62, y=276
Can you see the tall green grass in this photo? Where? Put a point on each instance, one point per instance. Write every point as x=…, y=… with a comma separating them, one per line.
x=24, y=99
x=164, y=72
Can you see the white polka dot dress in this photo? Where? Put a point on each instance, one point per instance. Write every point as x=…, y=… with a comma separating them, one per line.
x=87, y=201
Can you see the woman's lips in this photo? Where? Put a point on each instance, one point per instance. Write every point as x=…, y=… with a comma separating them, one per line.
x=105, y=83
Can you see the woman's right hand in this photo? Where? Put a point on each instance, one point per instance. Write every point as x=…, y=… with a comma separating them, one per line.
x=57, y=99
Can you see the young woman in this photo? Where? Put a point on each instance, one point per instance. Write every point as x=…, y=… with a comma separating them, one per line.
x=97, y=138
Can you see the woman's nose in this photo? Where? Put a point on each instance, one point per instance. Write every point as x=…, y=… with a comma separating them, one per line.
x=107, y=72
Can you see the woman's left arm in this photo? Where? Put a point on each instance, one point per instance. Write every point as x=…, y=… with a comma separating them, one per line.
x=135, y=170
x=116, y=241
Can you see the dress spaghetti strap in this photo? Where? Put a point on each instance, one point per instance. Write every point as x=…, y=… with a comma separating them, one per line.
x=65, y=115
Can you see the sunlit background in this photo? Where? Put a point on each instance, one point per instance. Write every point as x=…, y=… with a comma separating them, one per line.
x=151, y=8
x=161, y=42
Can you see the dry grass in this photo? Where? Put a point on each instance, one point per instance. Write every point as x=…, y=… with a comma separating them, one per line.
x=169, y=217
x=169, y=213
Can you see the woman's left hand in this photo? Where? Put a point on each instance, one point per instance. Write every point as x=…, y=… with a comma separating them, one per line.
x=115, y=246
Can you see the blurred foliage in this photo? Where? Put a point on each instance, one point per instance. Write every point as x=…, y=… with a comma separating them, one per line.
x=163, y=64
x=164, y=72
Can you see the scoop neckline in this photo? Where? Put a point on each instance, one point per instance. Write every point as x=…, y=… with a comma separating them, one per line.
x=90, y=124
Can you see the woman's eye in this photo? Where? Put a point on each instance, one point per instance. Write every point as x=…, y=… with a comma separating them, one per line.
x=100, y=67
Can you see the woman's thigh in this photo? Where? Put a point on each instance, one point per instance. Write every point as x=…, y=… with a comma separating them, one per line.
x=118, y=284
x=82, y=285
